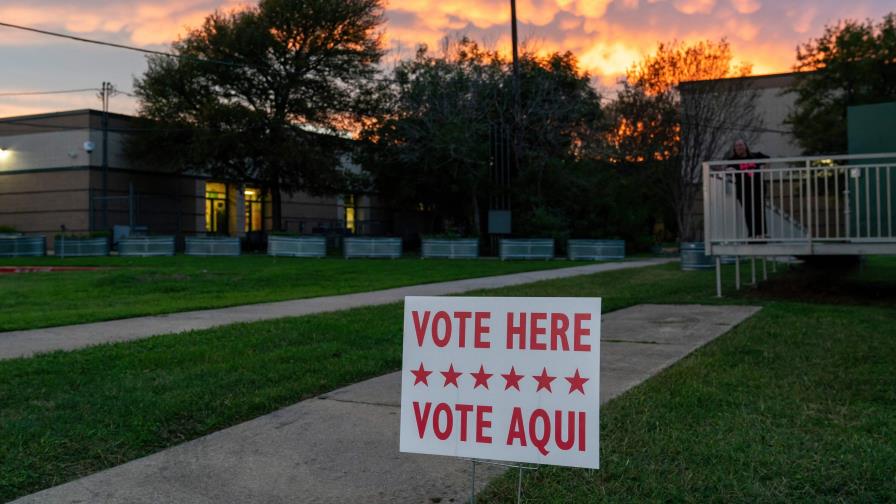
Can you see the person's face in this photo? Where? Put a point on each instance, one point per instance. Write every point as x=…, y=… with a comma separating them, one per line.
x=740, y=148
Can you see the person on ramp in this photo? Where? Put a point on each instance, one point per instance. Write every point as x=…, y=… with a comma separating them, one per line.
x=748, y=187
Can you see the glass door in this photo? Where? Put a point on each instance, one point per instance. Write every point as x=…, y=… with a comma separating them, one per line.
x=216, y=208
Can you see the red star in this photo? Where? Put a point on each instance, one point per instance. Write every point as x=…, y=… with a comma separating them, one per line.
x=513, y=379
x=420, y=375
x=481, y=377
x=576, y=382
x=544, y=381
x=451, y=376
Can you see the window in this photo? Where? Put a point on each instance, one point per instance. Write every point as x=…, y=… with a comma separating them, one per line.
x=215, y=208
x=350, y=212
x=254, y=209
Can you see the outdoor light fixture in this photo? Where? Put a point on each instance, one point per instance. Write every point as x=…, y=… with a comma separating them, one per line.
x=4, y=152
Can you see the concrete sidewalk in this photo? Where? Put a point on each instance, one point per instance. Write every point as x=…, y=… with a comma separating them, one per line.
x=29, y=342
x=343, y=446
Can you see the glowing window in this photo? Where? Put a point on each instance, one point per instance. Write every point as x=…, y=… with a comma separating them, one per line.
x=254, y=202
x=350, y=212
x=215, y=207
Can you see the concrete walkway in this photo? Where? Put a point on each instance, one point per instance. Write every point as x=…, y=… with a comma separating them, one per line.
x=343, y=446
x=29, y=342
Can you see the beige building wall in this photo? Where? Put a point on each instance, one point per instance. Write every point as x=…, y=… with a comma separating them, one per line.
x=164, y=203
x=49, y=179
x=775, y=104
x=57, y=149
x=40, y=202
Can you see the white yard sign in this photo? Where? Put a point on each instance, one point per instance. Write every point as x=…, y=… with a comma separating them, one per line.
x=514, y=379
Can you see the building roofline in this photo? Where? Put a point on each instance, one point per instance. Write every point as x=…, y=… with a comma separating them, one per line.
x=64, y=113
x=87, y=113
x=782, y=75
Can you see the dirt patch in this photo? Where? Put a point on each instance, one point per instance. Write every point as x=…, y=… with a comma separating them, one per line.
x=829, y=285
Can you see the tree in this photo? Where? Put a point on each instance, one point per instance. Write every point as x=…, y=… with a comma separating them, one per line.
x=561, y=123
x=429, y=146
x=446, y=114
x=680, y=106
x=262, y=94
x=852, y=63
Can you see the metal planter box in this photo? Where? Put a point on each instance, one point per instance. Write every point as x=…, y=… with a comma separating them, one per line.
x=527, y=249
x=212, y=246
x=80, y=247
x=145, y=246
x=22, y=246
x=693, y=257
x=371, y=247
x=450, y=249
x=297, y=246
x=596, y=250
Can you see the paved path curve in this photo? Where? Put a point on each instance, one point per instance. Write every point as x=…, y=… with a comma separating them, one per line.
x=29, y=342
x=343, y=446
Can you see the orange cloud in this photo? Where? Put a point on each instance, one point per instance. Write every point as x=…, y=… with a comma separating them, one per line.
x=695, y=6
x=607, y=36
x=746, y=6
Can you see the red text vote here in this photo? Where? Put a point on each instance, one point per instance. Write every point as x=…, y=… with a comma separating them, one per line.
x=533, y=331
x=514, y=379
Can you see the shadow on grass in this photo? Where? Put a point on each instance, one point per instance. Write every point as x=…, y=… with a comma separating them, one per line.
x=836, y=283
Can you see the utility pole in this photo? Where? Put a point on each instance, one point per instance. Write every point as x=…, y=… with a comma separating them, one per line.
x=505, y=154
x=504, y=158
x=516, y=128
x=105, y=94
x=516, y=64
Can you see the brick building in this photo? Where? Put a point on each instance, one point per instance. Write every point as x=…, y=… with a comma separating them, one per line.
x=51, y=175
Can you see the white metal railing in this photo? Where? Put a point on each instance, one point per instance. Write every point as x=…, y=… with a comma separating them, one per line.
x=800, y=200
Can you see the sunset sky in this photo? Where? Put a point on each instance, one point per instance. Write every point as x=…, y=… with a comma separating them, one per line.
x=606, y=35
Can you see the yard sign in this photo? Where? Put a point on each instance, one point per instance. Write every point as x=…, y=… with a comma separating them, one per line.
x=513, y=379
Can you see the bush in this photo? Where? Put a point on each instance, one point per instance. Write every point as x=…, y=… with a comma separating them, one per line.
x=587, y=200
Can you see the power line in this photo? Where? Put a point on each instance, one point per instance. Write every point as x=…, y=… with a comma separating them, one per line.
x=60, y=91
x=115, y=45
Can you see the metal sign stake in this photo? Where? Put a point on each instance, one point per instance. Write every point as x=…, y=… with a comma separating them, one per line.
x=519, y=481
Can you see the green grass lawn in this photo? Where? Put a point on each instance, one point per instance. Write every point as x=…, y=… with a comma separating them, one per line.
x=798, y=404
x=130, y=287
x=795, y=404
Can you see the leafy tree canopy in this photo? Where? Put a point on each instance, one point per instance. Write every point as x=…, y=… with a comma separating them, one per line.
x=448, y=118
x=257, y=94
x=852, y=63
x=666, y=122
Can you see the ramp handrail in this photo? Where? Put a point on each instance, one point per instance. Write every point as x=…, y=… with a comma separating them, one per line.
x=840, y=199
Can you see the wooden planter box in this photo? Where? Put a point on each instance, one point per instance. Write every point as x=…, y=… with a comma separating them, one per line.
x=80, y=247
x=371, y=247
x=526, y=249
x=463, y=248
x=212, y=246
x=22, y=246
x=297, y=246
x=595, y=250
x=145, y=246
